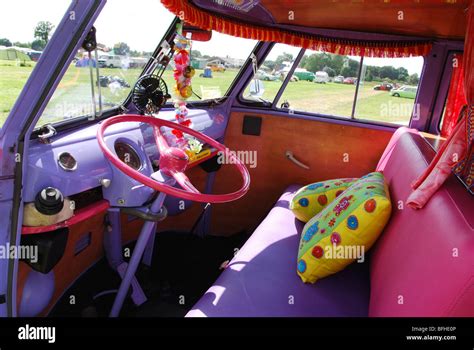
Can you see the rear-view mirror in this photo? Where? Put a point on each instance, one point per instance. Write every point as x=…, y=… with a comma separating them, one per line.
x=196, y=34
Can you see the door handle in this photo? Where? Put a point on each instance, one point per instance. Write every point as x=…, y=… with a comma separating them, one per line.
x=291, y=157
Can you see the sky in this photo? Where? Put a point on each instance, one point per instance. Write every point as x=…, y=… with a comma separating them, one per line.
x=118, y=22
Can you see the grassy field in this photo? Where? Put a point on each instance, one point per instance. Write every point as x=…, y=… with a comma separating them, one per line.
x=337, y=99
x=12, y=79
x=73, y=96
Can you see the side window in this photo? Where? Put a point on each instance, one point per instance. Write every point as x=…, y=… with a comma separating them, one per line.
x=325, y=84
x=388, y=88
x=271, y=73
x=22, y=41
x=216, y=62
x=374, y=89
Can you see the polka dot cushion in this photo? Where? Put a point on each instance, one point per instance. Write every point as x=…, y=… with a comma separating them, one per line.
x=345, y=229
x=311, y=199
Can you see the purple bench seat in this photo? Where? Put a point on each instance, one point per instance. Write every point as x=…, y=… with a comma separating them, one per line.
x=262, y=281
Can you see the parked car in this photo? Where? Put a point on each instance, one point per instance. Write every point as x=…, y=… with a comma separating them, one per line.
x=321, y=77
x=339, y=79
x=303, y=74
x=281, y=74
x=262, y=75
x=350, y=80
x=217, y=67
x=110, y=61
x=384, y=87
x=405, y=91
x=138, y=62
x=34, y=55
x=294, y=78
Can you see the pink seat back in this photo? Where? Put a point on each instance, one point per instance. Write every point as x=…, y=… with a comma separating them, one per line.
x=423, y=264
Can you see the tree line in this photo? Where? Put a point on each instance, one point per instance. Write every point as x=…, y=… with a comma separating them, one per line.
x=42, y=34
x=336, y=65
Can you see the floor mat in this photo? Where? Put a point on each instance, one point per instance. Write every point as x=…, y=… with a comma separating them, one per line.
x=184, y=266
x=189, y=265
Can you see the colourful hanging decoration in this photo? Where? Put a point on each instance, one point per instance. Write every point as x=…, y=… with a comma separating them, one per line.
x=183, y=72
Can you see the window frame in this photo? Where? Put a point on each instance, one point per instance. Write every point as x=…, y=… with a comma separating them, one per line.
x=169, y=35
x=201, y=103
x=442, y=97
x=288, y=77
x=86, y=120
x=274, y=104
x=89, y=119
x=253, y=103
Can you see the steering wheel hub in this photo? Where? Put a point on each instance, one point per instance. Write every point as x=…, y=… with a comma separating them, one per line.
x=173, y=160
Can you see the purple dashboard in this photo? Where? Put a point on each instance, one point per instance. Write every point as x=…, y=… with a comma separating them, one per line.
x=73, y=161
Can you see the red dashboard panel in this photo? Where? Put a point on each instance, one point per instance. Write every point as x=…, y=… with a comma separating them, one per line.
x=79, y=216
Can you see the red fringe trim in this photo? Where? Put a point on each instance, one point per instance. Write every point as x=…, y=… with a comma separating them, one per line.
x=199, y=18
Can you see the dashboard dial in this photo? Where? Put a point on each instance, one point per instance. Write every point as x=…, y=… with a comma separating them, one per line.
x=67, y=162
x=128, y=155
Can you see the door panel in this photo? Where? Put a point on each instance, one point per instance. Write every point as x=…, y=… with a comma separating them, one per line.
x=330, y=149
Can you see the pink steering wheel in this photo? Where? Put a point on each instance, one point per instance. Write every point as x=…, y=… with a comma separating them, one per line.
x=173, y=161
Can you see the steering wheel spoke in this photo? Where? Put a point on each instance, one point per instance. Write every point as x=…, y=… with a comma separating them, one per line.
x=184, y=182
x=161, y=142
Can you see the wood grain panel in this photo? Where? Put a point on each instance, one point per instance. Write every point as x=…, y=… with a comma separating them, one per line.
x=71, y=266
x=324, y=146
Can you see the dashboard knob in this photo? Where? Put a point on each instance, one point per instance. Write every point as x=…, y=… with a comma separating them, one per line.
x=49, y=201
x=105, y=182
